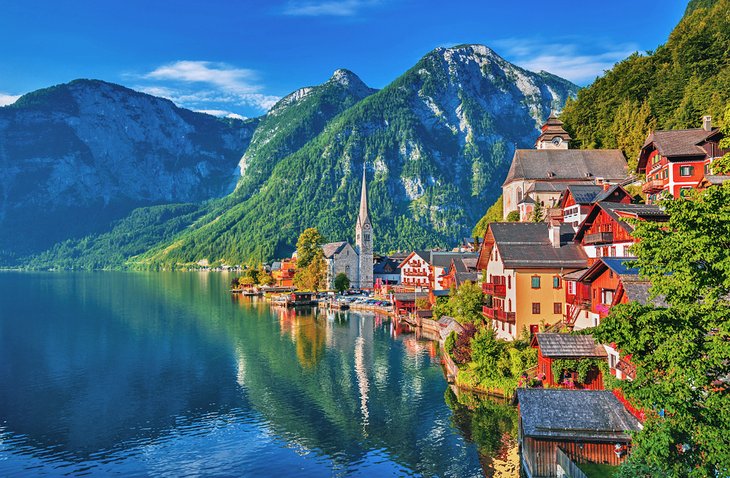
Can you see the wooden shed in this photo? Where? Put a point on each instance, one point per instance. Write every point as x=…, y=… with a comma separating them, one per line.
x=586, y=425
x=552, y=346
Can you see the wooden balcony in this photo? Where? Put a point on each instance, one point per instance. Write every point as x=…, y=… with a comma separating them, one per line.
x=488, y=312
x=653, y=186
x=498, y=314
x=499, y=290
x=598, y=238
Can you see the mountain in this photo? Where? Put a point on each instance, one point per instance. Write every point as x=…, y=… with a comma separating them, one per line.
x=436, y=144
x=295, y=120
x=78, y=156
x=671, y=88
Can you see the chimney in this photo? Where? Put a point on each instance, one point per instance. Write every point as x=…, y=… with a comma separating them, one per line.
x=707, y=123
x=606, y=186
x=554, y=233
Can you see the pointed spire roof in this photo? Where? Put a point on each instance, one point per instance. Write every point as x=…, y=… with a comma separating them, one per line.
x=364, y=215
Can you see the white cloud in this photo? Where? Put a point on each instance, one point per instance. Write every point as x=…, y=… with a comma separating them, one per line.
x=206, y=85
x=6, y=99
x=335, y=8
x=222, y=114
x=580, y=63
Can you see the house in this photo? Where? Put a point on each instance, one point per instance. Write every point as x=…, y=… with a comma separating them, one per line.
x=415, y=270
x=283, y=272
x=405, y=302
x=552, y=347
x=524, y=263
x=470, y=244
x=544, y=172
x=577, y=199
x=386, y=271
x=558, y=426
x=461, y=269
x=606, y=230
x=673, y=161
x=341, y=258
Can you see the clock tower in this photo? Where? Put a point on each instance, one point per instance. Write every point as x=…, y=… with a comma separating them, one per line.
x=553, y=135
x=364, y=240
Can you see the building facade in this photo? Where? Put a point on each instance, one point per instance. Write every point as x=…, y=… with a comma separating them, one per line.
x=364, y=241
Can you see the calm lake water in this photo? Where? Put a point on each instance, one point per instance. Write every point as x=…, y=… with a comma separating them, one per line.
x=166, y=374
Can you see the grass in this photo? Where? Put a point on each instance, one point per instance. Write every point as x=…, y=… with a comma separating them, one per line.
x=596, y=470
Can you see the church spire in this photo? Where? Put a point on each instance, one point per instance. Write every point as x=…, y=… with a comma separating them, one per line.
x=364, y=216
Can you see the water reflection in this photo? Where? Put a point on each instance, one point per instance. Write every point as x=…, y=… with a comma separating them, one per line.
x=167, y=373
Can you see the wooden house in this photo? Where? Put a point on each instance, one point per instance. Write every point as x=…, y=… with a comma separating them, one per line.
x=674, y=161
x=405, y=302
x=577, y=199
x=460, y=270
x=552, y=347
x=584, y=426
x=606, y=230
x=415, y=270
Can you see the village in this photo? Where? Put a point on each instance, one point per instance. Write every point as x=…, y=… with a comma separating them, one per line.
x=530, y=288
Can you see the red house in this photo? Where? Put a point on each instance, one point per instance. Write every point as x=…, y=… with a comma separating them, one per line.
x=551, y=347
x=606, y=231
x=676, y=160
x=577, y=199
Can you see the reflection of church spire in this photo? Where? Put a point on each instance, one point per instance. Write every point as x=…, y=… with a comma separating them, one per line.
x=361, y=374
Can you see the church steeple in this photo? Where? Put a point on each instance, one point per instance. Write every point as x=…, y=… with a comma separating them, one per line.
x=364, y=239
x=364, y=215
x=553, y=135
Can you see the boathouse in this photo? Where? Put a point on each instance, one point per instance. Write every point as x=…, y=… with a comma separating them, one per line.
x=559, y=428
x=569, y=349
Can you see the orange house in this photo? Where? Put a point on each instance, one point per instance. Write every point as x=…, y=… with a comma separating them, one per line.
x=284, y=274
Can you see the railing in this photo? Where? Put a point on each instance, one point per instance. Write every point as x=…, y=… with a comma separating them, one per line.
x=655, y=185
x=569, y=467
x=505, y=316
x=488, y=312
x=414, y=273
x=500, y=290
x=599, y=237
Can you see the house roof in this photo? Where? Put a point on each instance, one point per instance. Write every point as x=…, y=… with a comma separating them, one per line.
x=409, y=296
x=619, y=265
x=567, y=164
x=548, y=187
x=523, y=245
x=386, y=266
x=449, y=324
x=569, y=346
x=714, y=179
x=678, y=142
x=639, y=291
x=619, y=212
x=333, y=248
x=585, y=415
x=443, y=259
x=462, y=277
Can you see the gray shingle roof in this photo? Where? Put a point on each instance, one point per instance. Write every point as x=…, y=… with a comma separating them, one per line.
x=523, y=244
x=639, y=291
x=443, y=259
x=678, y=142
x=548, y=187
x=716, y=180
x=567, y=164
x=569, y=346
x=586, y=415
x=333, y=248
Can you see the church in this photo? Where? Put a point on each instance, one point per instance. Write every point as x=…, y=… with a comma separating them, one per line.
x=355, y=262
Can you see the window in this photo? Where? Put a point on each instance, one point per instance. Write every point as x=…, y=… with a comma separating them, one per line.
x=509, y=282
x=556, y=282
x=535, y=307
x=686, y=170
x=707, y=168
x=535, y=282
x=509, y=305
x=606, y=296
x=571, y=288
x=367, y=237
x=613, y=251
x=557, y=308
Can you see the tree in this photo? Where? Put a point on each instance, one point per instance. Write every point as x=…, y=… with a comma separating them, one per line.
x=680, y=351
x=513, y=216
x=423, y=303
x=465, y=303
x=722, y=165
x=314, y=276
x=538, y=213
x=342, y=282
x=245, y=281
x=265, y=279
x=493, y=214
x=309, y=243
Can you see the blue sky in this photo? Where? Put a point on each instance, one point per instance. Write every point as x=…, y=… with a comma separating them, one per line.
x=241, y=56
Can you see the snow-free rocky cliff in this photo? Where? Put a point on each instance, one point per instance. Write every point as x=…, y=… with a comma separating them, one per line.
x=76, y=156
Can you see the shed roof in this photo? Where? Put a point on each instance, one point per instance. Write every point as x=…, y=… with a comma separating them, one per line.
x=638, y=291
x=585, y=415
x=569, y=346
x=567, y=164
x=678, y=142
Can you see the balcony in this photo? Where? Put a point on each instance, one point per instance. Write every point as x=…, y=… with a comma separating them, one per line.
x=599, y=238
x=496, y=313
x=653, y=186
x=499, y=290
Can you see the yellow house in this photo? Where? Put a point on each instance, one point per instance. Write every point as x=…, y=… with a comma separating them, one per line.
x=523, y=264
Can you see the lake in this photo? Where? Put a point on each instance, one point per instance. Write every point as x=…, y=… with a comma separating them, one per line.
x=167, y=374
